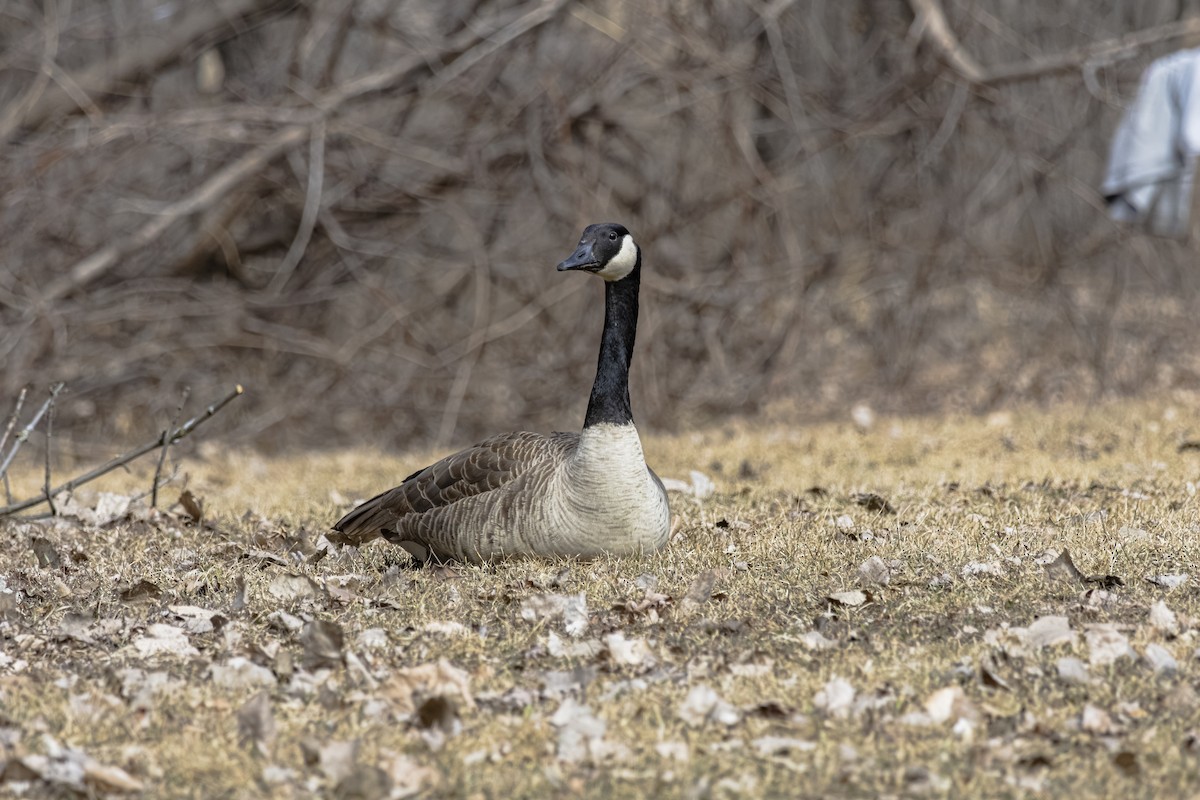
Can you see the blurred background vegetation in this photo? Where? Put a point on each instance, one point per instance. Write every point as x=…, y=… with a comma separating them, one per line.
x=354, y=208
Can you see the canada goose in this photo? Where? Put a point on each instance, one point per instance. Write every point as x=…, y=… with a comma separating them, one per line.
x=520, y=494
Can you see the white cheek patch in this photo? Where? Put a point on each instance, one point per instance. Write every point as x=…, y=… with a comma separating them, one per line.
x=622, y=263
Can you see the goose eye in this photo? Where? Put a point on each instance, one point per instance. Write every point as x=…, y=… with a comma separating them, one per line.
x=612, y=235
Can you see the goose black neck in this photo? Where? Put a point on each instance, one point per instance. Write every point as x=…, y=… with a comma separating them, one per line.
x=610, y=393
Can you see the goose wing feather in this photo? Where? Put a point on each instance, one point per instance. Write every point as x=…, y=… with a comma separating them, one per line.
x=484, y=467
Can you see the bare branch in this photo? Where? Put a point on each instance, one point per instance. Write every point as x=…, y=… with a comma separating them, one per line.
x=12, y=419
x=24, y=434
x=931, y=22
x=166, y=445
x=1105, y=52
x=12, y=422
x=119, y=461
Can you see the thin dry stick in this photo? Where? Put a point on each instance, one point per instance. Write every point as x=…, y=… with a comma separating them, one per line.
x=931, y=22
x=24, y=434
x=119, y=461
x=466, y=50
x=49, y=443
x=312, y=206
x=12, y=418
x=12, y=422
x=1105, y=52
x=166, y=445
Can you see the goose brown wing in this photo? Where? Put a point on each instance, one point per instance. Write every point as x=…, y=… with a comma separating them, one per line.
x=484, y=467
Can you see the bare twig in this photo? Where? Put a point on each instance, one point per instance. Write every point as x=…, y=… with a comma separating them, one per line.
x=12, y=421
x=119, y=461
x=49, y=443
x=931, y=23
x=1105, y=52
x=166, y=445
x=12, y=418
x=24, y=434
x=464, y=51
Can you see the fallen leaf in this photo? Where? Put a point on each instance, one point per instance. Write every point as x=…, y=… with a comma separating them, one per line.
x=323, y=643
x=835, y=697
x=256, y=724
x=1169, y=581
x=815, y=640
x=410, y=777
x=164, y=640
x=192, y=506
x=1048, y=631
x=1072, y=670
x=107, y=778
x=975, y=568
x=702, y=704
x=700, y=486
x=284, y=622
x=239, y=594
x=570, y=608
x=45, y=553
x=781, y=745
x=626, y=652
x=673, y=751
x=989, y=676
x=1105, y=581
x=291, y=588
x=1097, y=721
x=1063, y=569
x=263, y=558
x=940, y=705
x=1160, y=659
x=1127, y=762
x=1106, y=644
x=875, y=570
x=852, y=598
x=1163, y=619
x=335, y=759
x=365, y=782
x=241, y=673
x=407, y=688
x=559, y=683
x=439, y=712
x=580, y=732
x=874, y=502
x=446, y=628
x=141, y=592
x=196, y=619
x=701, y=589
x=863, y=417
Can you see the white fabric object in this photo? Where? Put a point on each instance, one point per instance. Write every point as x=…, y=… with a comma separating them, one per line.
x=1151, y=168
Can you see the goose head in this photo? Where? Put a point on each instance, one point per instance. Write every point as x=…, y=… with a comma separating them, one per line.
x=605, y=249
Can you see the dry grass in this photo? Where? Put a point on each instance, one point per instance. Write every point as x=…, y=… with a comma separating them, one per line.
x=1108, y=483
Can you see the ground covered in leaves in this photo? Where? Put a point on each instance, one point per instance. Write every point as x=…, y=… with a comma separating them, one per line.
x=967, y=607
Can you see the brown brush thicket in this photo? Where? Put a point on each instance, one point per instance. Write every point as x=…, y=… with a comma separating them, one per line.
x=354, y=208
